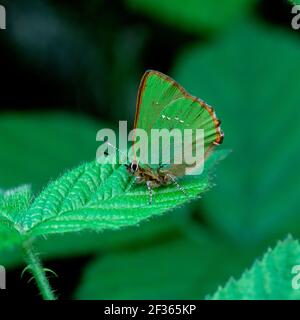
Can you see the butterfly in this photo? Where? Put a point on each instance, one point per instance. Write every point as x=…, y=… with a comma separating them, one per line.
x=163, y=103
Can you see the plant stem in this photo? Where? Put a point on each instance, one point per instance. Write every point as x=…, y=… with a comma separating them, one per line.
x=35, y=266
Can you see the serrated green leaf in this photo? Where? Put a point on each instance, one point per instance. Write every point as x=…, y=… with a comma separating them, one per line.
x=250, y=78
x=194, y=15
x=269, y=278
x=99, y=197
x=13, y=204
x=15, y=201
x=72, y=244
x=185, y=268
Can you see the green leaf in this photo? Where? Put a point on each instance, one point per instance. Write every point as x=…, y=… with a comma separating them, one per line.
x=39, y=146
x=295, y=2
x=100, y=197
x=269, y=278
x=13, y=203
x=72, y=244
x=194, y=15
x=185, y=268
x=250, y=78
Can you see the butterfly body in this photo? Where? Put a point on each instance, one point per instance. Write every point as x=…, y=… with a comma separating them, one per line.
x=154, y=178
x=163, y=104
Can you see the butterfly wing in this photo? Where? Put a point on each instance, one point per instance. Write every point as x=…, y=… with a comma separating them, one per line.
x=163, y=103
x=154, y=94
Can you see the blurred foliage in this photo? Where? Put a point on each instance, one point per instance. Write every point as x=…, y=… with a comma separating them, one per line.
x=150, y=273
x=251, y=79
x=39, y=146
x=294, y=1
x=194, y=15
x=61, y=42
x=269, y=278
x=185, y=267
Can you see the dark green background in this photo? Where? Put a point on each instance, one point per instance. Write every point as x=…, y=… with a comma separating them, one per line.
x=69, y=68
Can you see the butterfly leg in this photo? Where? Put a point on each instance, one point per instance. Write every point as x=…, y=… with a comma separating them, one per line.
x=150, y=191
x=179, y=187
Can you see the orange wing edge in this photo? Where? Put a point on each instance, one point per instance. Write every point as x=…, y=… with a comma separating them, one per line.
x=217, y=122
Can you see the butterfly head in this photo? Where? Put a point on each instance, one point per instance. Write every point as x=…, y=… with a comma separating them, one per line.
x=133, y=167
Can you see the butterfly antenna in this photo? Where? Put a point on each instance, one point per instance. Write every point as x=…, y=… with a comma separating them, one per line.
x=117, y=149
x=150, y=192
x=179, y=187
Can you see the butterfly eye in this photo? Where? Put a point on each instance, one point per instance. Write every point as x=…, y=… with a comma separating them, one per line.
x=134, y=166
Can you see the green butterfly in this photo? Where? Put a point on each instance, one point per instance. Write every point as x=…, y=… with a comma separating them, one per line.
x=163, y=103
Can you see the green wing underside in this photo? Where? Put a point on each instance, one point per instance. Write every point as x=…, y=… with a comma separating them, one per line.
x=163, y=104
